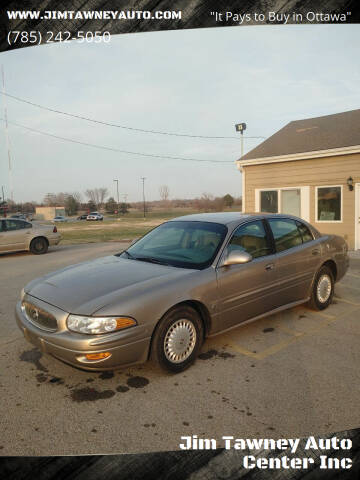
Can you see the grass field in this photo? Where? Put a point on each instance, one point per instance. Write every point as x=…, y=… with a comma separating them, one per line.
x=124, y=228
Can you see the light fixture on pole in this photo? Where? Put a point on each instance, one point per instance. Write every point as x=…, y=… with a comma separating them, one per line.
x=240, y=127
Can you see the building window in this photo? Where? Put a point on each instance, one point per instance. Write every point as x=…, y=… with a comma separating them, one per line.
x=329, y=204
x=288, y=200
x=269, y=201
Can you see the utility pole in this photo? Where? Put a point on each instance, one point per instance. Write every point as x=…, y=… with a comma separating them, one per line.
x=117, y=189
x=7, y=134
x=143, y=182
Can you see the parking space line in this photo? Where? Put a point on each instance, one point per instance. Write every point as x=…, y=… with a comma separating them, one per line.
x=347, y=301
x=294, y=336
x=294, y=333
x=243, y=351
x=353, y=275
x=321, y=314
x=277, y=347
x=350, y=286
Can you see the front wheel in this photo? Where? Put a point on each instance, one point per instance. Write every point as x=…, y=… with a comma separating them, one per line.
x=39, y=245
x=323, y=289
x=177, y=339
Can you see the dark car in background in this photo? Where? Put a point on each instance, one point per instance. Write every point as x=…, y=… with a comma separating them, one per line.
x=187, y=279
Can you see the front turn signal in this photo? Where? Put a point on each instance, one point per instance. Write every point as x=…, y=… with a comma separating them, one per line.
x=97, y=356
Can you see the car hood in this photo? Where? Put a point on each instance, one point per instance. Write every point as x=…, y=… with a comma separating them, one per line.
x=86, y=287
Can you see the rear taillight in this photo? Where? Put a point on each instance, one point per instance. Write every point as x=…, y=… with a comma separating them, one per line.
x=55, y=229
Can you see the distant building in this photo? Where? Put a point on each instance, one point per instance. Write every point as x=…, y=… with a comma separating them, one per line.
x=309, y=168
x=48, y=213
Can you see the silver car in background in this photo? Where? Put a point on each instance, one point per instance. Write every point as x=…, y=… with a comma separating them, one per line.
x=18, y=234
x=187, y=279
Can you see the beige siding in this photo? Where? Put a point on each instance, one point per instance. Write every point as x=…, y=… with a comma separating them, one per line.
x=48, y=213
x=312, y=172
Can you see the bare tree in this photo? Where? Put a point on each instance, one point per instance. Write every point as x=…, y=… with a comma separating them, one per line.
x=97, y=195
x=103, y=193
x=164, y=193
x=61, y=198
x=50, y=200
x=77, y=196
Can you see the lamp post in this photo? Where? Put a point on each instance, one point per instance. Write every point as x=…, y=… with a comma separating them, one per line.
x=117, y=189
x=240, y=127
x=143, y=183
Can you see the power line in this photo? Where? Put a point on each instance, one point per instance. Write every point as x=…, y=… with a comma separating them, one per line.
x=112, y=149
x=109, y=124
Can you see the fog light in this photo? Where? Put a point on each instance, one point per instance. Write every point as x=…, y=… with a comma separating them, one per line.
x=97, y=356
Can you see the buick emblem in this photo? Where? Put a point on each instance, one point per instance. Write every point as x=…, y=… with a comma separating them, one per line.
x=35, y=313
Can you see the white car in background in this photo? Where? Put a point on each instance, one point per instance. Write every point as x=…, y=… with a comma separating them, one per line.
x=94, y=216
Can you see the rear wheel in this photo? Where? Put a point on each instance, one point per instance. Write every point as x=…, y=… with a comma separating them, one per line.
x=177, y=339
x=39, y=245
x=323, y=289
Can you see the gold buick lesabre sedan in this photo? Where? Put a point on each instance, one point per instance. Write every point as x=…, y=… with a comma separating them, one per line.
x=18, y=234
x=189, y=278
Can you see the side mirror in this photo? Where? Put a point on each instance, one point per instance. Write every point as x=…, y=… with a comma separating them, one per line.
x=237, y=258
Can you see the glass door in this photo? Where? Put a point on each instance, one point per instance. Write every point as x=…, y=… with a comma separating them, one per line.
x=290, y=202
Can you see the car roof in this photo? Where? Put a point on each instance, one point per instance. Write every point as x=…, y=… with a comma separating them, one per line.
x=227, y=218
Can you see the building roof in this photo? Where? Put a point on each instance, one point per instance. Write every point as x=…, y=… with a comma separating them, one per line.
x=311, y=134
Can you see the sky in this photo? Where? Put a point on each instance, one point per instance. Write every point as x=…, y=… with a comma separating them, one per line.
x=196, y=82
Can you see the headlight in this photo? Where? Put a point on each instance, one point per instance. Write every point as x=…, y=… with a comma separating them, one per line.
x=22, y=294
x=94, y=325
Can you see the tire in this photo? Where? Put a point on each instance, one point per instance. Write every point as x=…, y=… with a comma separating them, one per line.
x=182, y=326
x=39, y=245
x=323, y=289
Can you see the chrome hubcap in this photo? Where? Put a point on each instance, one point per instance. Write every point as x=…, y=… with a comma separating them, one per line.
x=323, y=288
x=180, y=341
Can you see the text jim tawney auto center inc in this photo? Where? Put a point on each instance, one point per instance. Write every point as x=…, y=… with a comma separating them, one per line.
x=261, y=445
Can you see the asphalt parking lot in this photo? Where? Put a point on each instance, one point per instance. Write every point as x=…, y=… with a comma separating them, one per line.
x=288, y=375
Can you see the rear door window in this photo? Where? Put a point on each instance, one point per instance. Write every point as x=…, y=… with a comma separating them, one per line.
x=305, y=232
x=286, y=233
x=12, y=225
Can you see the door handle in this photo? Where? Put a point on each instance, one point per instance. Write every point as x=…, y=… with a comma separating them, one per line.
x=316, y=252
x=270, y=266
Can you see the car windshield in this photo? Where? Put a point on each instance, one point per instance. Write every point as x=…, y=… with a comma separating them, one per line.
x=183, y=244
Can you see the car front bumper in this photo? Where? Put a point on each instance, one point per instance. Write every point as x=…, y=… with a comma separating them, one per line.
x=126, y=348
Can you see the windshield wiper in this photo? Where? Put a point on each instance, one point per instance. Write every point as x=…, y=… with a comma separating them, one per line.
x=127, y=253
x=151, y=260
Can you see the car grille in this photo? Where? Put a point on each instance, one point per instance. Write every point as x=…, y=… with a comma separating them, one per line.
x=39, y=317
